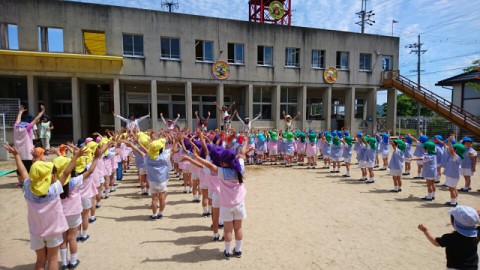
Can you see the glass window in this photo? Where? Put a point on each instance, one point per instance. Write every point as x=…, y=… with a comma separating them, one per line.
x=170, y=48
x=163, y=108
x=8, y=36
x=178, y=98
x=387, y=62
x=204, y=51
x=50, y=39
x=288, y=101
x=94, y=43
x=265, y=56
x=359, y=104
x=178, y=109
x=314, y=109
x=318, y=59
x=365, y=62
x=62, y=108
x=133, y=45
x=262, y=102
x=292, y=57
x=342, y=60
x=235, y=53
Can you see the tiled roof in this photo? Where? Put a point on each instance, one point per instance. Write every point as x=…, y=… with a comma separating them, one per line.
x=464, y=77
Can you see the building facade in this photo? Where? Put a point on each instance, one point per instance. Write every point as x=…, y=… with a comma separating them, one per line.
x=86, y=60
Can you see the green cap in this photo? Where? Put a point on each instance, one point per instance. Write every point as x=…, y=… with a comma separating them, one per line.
x=349, y=140
x=400, y=144
x=336, y=141
x=430, y=146
x=459, y=149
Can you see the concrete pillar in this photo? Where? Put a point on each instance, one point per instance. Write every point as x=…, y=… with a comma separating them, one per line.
x=350, y=108
x=220, y=100
x=116, y=102
x=372, y=110
x=249, y=103
x=392, y=110
x=303, y=108
x=327, y=107
x=277, y=114
x=153, y=103
x=32, y=93
x=77, y=127
x=188, y=105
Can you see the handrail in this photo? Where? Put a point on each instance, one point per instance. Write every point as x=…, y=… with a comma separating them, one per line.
x=432, y=97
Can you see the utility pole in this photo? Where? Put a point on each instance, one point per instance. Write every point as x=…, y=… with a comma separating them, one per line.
x=417, y=48
x=365, y=16
x=170, y=4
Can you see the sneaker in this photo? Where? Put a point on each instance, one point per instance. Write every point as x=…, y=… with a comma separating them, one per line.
x=185, y=191
x=97, y=206
x=74, y=265
x=153, y=217
x=362, y=179
x=220, y=226
x=418, y=177
x=112, y=190
x=84, y=238
x=238, y=254
x=399, y=190
x=226, y=255
x=437, y=181
x=383, y=169
x=405, y=173
x=370, y=181
x=346, y=175
x=64, y=267
x=451, y=204
x=426, y=198
x=92, y=219
x=464, y=189
x=160, y=216
x=394, y=190
x=205, y=214
x=216, y=238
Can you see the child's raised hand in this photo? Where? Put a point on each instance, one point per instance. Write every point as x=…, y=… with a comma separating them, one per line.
x=422, y=228
x=11, y=149
x=35, y=154
x=79, y=152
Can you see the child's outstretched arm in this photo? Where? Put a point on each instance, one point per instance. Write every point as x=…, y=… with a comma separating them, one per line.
x=71, y=165
x=429, y=236
x=22, y=171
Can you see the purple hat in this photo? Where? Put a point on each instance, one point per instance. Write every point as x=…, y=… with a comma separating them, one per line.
x=200, y=147
x=187, y=145
x=215, y=152
x=229, y=156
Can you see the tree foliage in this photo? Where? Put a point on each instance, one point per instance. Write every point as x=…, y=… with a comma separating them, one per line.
x=408, y=107
x=475, y=66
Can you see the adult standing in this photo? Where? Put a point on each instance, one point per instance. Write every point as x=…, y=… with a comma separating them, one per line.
x=46, y=132
x=132, y=122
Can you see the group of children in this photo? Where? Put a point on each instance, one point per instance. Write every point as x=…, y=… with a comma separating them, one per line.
x=63, y=195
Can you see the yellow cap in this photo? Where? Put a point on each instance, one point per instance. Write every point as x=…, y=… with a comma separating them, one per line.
x=81, y=164
x=155, y=147
x=41, y=177
x=61, y=164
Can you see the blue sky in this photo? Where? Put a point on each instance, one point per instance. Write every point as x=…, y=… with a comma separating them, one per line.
x=450, y=30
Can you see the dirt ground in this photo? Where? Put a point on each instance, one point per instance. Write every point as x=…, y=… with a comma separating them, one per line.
x=297, y=219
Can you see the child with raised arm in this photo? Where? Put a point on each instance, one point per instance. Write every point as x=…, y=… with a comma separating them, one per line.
x=170, y=124
x=202, y=122
x=225, y=116
x=469, y=163
x=452, y=169
x=46, y=220
x=396, y=164
x=288, y=120
x=247, y=123
x=132, y=123
x=460, y=245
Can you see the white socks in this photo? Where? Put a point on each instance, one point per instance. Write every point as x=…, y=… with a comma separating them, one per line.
x=73, y=258
x=238, y=245
x=84, y=233
x=63, y=256
x=228, y=247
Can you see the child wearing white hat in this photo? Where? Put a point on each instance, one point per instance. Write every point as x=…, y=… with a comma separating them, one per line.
x=460, y=245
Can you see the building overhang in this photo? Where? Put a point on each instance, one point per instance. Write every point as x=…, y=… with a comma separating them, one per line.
x=59, y=62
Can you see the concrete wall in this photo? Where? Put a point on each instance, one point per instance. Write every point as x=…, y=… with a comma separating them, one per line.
x=74, y=17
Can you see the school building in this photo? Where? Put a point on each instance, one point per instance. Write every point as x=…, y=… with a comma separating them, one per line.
x=86, y=60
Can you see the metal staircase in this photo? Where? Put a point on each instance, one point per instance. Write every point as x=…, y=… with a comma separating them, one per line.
x=463, y=119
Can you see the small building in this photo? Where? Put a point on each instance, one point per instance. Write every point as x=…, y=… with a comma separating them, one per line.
x=86, y=60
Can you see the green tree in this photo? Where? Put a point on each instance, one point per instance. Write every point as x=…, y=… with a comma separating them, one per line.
x=475, y=66
x=407, y=107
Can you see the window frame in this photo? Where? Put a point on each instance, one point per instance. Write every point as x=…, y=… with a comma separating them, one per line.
x=133, y=55
x=235, y=54
x=338, y=63
x=310, y=104
x=41, y=30
x=357, y=106
x=203, y=60
x=289, y=103
x=321, y=59
x=263, y=64
x=296, y=56
x=362, y=59
x=5, y=44
x=170, y=49
x=262, y=103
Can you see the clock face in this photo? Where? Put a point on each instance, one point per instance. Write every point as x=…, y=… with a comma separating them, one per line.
x=276, y=10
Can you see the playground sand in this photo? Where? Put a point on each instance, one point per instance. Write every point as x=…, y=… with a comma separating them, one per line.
x=297, y=219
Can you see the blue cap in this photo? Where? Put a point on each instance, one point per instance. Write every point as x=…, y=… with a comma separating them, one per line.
x=465, y=220
x=467, y=139
x=438, y=137
x=423, y=139
x=346, y=133
x=334, y=134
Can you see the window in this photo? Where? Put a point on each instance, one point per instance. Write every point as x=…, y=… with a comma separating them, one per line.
x=133, y=45
x=314, y=109
x=265, y=56
x=359, y=105
x=288, y=101
x=235, y=53
x=262, y=102
x=318, y=59
x=204, y=51
x=338, y=108
x=94, y=43
x=50, y=39
x=365, y=62
x=342, y=60
x=62, y=108
x=8, y=36
x=292, y=57
x=170, y=48
x=387, y=62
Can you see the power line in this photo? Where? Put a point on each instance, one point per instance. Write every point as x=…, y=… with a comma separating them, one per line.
x=435, y=72
x=365, y=16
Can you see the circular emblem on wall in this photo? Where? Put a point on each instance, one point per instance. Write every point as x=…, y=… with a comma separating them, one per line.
x=276, y=10
x=330, y=75
x=221, y=70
